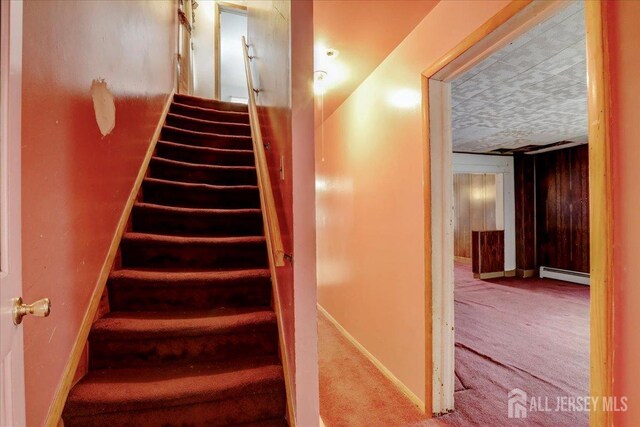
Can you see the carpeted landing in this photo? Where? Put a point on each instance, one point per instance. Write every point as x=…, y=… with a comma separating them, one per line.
x=190, y=337
x=529, y=334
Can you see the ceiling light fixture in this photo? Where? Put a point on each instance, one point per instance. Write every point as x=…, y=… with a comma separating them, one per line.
x=331, y=53
x=330, y=71
x=320, y=82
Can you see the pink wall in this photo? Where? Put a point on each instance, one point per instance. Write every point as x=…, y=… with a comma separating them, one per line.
x=624, y=33
x=281, y=37
x=75, y=183
x=370, y=209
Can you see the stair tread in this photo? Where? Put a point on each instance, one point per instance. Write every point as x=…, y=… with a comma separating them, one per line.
x=202, y=166
x=207, y=134
x=196, y=211
x=148, y=324
x=160, y=277
x=200, y=185
x=139, y=388
x=135, y=236
x=212, y=110
x=204, y=149
x=191, y=99
x=163, y=276
x=243, y=126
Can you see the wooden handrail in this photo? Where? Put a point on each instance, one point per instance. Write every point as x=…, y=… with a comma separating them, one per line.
x=275, y=251
x=267, y=203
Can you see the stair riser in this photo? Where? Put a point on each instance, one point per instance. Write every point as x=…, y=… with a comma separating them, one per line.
x=206, y=140
x=212, y=115
x=185, y=153
x=158, y=254
x=226, y=412
x=108, y=353
x=201, y=175
x=169, y=195
x=199, y=125
x=131, y=296
x=192, y=223
x=211, y=104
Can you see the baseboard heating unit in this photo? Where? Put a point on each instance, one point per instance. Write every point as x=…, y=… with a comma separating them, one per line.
x=566, y=275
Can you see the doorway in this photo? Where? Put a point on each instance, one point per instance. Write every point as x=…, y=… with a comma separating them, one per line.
x=231, y=26
x=498, y=32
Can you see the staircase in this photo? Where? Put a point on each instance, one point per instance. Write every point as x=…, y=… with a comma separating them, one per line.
x=190, y=337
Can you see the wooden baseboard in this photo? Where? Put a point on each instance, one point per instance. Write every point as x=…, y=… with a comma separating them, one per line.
x=510, y=273
x=383, y=369
x=492, y=275
x=526, y=273
x=60, y=398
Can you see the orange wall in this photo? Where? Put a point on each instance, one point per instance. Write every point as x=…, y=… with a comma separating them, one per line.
x=75, y=183
x=370, y=209
x=624, y=34
x=281, y=38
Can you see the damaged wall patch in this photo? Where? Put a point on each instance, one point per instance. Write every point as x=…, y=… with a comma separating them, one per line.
x=104, y=106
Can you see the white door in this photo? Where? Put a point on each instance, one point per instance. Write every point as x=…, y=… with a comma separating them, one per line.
x=11, y=350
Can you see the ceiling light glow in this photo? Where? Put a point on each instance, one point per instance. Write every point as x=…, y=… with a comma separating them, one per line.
x=405, y=98
x=320, y=82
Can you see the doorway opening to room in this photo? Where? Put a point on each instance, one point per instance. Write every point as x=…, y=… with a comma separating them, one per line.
x=510, y=249
x=230, y=26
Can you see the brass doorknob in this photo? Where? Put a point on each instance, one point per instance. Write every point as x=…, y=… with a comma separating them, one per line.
x=40, y=308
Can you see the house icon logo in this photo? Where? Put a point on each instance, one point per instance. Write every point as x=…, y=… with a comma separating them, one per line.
x=517, y=403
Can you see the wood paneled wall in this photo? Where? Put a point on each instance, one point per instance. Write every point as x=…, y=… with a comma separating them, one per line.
x=552, y=210
x=562, y=208
x=475, y=208
x=524, y=180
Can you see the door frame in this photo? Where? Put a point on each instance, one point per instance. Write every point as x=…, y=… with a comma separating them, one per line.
x=219, y=7
x=184, y=64
x=12, y=386
x=514, y=19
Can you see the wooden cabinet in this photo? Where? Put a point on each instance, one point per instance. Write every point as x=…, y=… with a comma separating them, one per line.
x=487, y=254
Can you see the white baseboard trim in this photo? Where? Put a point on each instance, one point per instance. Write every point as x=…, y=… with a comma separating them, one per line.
x=566, y=275
x=383, y=369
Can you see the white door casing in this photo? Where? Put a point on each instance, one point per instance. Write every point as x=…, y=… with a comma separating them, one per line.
x=12, y=400
x=442, y=217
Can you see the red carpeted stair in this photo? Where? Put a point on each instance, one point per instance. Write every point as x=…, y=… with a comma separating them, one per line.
x=190, y=337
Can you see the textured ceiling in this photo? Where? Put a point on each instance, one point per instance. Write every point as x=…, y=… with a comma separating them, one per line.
x=365, y=33
x=531, y=92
